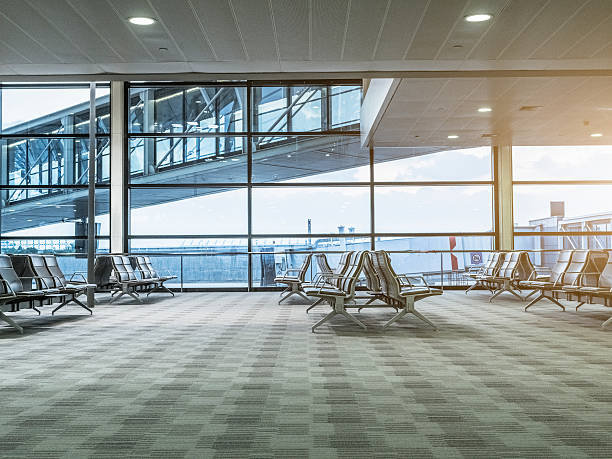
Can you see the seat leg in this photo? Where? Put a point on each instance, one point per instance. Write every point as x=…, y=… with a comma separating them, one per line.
x=80, y=303
x=166, y=289
x=354, y=319
x=115, y=298
x=472, y=287
x=287, y=295
x=533, y=292
x=553, y=300
x=516, y=294
x=606, y=323
x=303, y=295
x=423, y=318
x=324, y=319
x=535, y=300
x=316, y=303
x=396, y=317
x=135, y=296
x=496, y=294
x=580, y=304
x=11, y=322
x=36, y=309
x=64, y=303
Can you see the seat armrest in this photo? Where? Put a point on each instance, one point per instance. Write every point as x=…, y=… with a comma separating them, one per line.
x=79, y=273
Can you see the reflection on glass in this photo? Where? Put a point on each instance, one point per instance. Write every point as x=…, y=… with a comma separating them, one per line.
x=204, y=159
x=187, y=109
x=310, y=159
x=345, y=107
x=51, y=212
x=164, y=211
x=199, y=262
x=580, y=162
x=45, y=161
x=411, y=209
x=311, y=210
x=562, y=207
x=52, y=110
x=415, y=164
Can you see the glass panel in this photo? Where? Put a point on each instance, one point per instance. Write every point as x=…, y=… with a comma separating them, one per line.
x=562, y=207
x=407, y=164
x=44, y=161
x=280, y=254
x=64, y=248
x=51, y=212
x=345, y=107
x=433, y=209
x=57, y=110
x=163, y=211
x=446, y=267
x=282, y=210
x=188, y=160
x=184, y=109
x=585, y=162
x=310, y=159
x=205, y=262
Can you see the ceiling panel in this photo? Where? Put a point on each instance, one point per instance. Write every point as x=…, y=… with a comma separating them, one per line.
x=439, y=19
x=220, y=25
x=28, y=18
x=328, y=26
x=10, y=56
x=75, y=28
x=364, y=24
x=568, y=110
x=396, y=35
x=256, y=27
x=593, y=42
x=292, y=28
x=184, y=28
x=506, y=26
x=550, y=19
x=22, y=44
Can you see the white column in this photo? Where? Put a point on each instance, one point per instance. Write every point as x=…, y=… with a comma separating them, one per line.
x=118, y=194
x=504, y=218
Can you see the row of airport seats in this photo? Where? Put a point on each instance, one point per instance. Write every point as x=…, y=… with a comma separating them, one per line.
x=32, y=281
x=503, y=272
x=129, y=275
x=362, y=279
x=582, y=276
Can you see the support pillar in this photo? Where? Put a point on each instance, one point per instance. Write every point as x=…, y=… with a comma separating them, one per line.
x=118, y=177
x=504, y=218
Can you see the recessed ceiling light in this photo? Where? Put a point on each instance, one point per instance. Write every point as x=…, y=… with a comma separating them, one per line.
x=485, y=109
x=453, y=136
x=597, y=134
x=478, y=17
x=141, y=20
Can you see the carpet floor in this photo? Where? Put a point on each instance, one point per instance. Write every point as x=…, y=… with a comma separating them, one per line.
x=236, y=375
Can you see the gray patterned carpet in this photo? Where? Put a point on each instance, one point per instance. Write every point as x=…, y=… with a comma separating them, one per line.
x=235, y=375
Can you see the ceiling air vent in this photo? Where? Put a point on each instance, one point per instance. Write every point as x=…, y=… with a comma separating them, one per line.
x=488, y=135
x=530, y=108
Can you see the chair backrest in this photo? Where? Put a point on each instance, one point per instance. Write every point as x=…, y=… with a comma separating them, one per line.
x=491, y=260
x=605, y=278
x=525, y=268
x=575, y=267
x=139, y=263
x=304, y=268
x=149, y=264
x=372, y=280
x=565, y=256
x=343, y=264
x=322, y=264
x=8, y=274
x=389, y=284
x=496, y=262
x=45, y=278
x=123, y=268
x=103, y=269
x=596, y=263
x=348, y=281
x=54, y=268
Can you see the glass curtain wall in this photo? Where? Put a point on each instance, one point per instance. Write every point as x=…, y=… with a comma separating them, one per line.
x=277, y=170
x=561, y=198
x=44, y=137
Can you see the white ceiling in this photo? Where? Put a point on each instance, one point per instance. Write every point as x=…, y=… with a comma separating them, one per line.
x=425, y=111
x=46, y=37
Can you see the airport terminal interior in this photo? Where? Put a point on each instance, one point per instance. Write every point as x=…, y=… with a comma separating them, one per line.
x=305, y=228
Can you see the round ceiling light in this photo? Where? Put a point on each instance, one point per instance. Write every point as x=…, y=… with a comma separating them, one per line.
x=478, y=17
x=141, y=20
x=453, y=136
x=597, y=134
